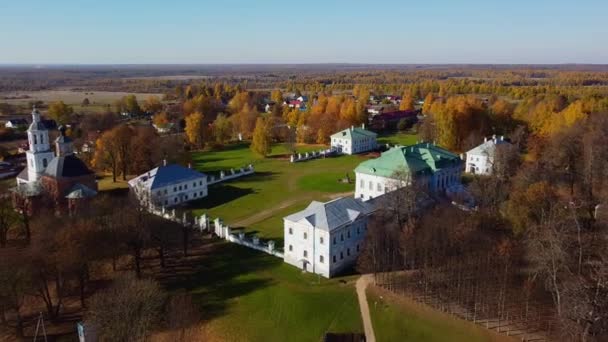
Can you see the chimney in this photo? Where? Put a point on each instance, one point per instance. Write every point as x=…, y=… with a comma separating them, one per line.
x=164, y=162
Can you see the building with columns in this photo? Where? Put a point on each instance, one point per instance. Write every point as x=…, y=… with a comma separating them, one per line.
x=432, y=167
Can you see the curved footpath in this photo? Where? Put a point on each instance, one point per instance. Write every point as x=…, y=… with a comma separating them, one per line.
x=361, y=286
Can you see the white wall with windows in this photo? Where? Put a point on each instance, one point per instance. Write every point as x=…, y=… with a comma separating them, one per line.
x=322, y=252
x=180, y=192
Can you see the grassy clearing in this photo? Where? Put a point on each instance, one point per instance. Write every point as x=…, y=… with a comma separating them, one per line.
x=400, y=319
x=246, y=295
x=276, y=184
x=400, y=138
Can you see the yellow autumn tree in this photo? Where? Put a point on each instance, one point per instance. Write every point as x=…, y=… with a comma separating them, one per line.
x=407, y=101
x=260, y=144
x=194, y=129
x=428, y=102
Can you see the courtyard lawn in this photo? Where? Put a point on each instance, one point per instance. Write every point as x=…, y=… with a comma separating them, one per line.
x=399, y=319
x=400, y=138
x=277, y=183
x=245, y=295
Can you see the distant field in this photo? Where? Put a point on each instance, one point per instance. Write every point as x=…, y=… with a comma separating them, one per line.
x=98, y=99
x=170, y=77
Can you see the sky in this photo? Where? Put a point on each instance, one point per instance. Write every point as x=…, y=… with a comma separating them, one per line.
x=313, y=31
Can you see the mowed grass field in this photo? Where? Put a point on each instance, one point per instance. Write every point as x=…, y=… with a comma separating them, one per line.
x=278, y=187
x=98, y=99
x=397, y=318
x=245, y=295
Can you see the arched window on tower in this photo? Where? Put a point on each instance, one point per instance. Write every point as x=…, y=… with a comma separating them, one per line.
x=44, y=163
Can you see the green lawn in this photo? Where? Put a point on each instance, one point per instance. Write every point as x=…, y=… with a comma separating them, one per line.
x=400, y=138
x=276, y=184
x=246, y=295
x=403, y=320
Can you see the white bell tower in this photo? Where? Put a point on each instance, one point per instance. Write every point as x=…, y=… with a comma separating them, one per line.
x=39, y=155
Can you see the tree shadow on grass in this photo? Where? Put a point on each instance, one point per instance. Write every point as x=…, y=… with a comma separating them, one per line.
x=218, y=195
x=227, y=273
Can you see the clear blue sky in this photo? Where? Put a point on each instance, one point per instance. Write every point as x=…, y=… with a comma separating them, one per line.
x=314, y=31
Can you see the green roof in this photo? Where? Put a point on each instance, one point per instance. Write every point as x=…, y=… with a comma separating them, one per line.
x=417, y=159
x=350, y=132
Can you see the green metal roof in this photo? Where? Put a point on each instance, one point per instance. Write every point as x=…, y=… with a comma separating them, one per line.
x=350, y=132
x=417, y=159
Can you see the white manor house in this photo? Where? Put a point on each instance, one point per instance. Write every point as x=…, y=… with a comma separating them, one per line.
x=354, y=140
x=326, y=238
x=433, y=167
x=169, y=185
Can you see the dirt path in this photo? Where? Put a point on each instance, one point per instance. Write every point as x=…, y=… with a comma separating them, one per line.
x=361, y=286
x=267, y=213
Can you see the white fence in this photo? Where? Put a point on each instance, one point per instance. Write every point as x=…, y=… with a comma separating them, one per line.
x=202, y=224
x=312, y=155
x=232, y=174
x=225, y=233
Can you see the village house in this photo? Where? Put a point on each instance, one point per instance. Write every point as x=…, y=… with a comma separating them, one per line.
x=326, y=238
x=433, y=168
x=354, y=140
x=16, y=124
x=169, y=185
x=480, y=160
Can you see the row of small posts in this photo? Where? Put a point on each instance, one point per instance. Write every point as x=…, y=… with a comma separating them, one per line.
x=232, y=174
x=311, y=155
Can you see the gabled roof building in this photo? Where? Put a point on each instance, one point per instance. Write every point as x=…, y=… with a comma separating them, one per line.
x=326, y=238
x=480, y=160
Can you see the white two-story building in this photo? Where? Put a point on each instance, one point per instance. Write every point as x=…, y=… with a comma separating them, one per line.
x=326, y=238
x=480, y=160
x=434, y=168
x=169, y=185
x=354, y=140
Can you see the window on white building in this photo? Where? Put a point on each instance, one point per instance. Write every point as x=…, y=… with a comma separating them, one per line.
x=201, y=194
x=174, y=189
x=305, y=253
x=334, y=240
x=379, y=187
x=305, y=235
x=321, y=259
x=200, y=183
x=362, y=184
x=341, y=255
x=348, y=234
x=44, y=163
x=371, y=185
x=357, y=247
x=290, y=231
x=348, y=252
x=334, y=257
x=321, y=240
x=342, y=237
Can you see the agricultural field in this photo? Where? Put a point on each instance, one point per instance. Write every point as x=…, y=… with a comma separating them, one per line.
x=99, y=100
x=400, y=319
x=245, y=295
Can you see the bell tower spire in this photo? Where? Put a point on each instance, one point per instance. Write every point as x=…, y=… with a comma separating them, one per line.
x=39, y=153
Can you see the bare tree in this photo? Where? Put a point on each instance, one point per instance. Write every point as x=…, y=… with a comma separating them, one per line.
x=127, y=311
